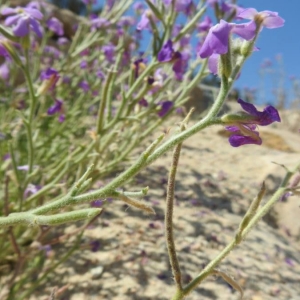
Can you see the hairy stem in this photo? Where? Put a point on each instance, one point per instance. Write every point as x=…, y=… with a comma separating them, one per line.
x=169, y=218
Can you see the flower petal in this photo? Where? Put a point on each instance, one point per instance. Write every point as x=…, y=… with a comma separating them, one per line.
x=205, y=25
x=11, y=20
x=266, y=117
x=273, y=22
x=248, y=14
x=56, y=107
x=232, y=128
x=216, y=40
x=36, y=27
x=269, y=115
x=213, y=61
x=239, y=140
x=8, y=11
x=21, y=29
x=249, y=108
x=33, y=13
x=165, y=108
x=166, y=52
x=144, y=22
x=245, y=30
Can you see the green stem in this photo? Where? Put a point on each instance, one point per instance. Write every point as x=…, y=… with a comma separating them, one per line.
x=30, y=146
x=28, y=123
x=112, y=84
x=169, y=218
x=30, y=86
x=145, y=159
x=103, y=102
x=190, y=25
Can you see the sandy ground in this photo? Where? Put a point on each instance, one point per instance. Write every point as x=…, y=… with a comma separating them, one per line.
x=214, y=187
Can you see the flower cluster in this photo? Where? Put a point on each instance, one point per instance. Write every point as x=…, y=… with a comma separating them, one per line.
x=85, y=91
x=217, y=40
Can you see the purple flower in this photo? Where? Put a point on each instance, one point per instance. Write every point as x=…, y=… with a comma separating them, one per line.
x=180, y=5
x=100, y=74
x=31, y=190
x=143, y=102
x=238, y=139
x=49, y=74
x=84, y=85
x=97, y=203
x=266, y=18
x=180, y=65
x=56, y=26
x=216, y=40
x=4, y=72
x=24, y=20
x=83, y=64
x=165, y=107
x=167, y=52
x=62, y=41
x=50, y=78
x=205, y=25
x=99, y=23
x=95, y=245
x=139, y=66
x=61, y=118
x=55, y=108
x=246, y=30
x=229, y=8
x=109, y=52
x=264, y=118
x=145, y=21
x=53, y=51
x=243, y=127
x=126, y=21
x=138, y=7
x=213, y=61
